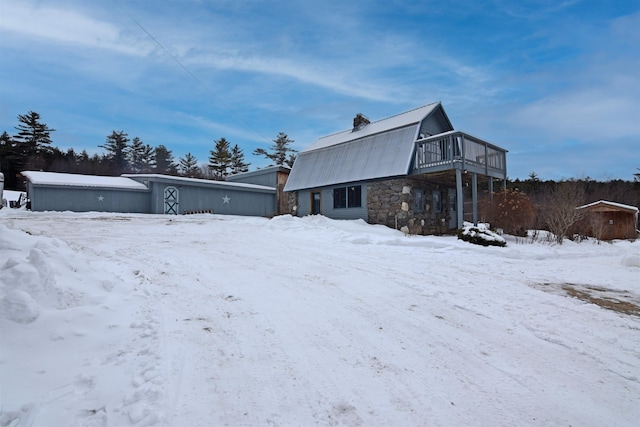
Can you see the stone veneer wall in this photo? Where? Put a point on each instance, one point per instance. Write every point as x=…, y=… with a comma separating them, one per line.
x=391, y=203
x=292, y=203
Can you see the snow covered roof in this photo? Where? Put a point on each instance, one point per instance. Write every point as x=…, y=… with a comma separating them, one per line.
x=614, y=205
x=77, y=180
x=379, y=149
x=128, y=181
x=197, y=181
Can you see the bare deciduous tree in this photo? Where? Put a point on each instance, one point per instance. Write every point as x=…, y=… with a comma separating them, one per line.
x=560, y=210
x=597, y=225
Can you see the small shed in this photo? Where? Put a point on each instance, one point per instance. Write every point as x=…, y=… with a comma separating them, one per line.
x=608, y=220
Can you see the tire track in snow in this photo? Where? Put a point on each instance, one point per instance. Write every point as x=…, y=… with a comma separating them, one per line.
x=510, y=375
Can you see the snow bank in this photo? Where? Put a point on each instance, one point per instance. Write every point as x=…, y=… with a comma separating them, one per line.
x=64, y=327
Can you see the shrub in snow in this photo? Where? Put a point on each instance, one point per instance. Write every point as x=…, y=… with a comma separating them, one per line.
x=510, y=210
x=480, y=235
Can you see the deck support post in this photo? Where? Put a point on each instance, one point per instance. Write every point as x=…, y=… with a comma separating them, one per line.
x=459, y=198
x=474, y=196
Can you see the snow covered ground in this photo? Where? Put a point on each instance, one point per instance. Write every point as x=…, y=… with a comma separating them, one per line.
x=204, y=320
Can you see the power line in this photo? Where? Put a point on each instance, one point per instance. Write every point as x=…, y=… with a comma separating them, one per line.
x=192, y=75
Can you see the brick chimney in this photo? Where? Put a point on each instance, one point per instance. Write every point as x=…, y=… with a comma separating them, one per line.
x=360, y=121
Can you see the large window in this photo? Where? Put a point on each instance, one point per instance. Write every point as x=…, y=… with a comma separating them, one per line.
x=354, y=198
x=339, y=198
x=437, y=201
x=347, y=197
x=418, y=201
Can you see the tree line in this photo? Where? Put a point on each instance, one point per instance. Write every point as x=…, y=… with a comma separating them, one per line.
x=533, y=204
x=31, y=148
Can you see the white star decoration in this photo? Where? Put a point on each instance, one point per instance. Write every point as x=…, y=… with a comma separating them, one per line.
x=226, y=199
x=100, y=198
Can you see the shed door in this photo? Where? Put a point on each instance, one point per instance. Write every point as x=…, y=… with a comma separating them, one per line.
x=171, y=201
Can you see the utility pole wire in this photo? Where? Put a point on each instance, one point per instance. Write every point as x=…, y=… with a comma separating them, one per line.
x=193, y=76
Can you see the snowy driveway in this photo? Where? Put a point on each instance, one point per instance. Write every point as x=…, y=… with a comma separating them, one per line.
x=210, y=320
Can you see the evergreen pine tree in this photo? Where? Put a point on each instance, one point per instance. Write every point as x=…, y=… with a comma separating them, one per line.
x=281, y=154
x=220, y=159
x=5, y=140
x=32, y=136
x=238, y=164
x=147, y=159
x=165, y=163
x=84, y=162
x=290, y=160
x=31, y=142
x=6, y=156
x=11, y=163
x=189, y=166
x=63, y=162
x=117, y=149
x=135, y=154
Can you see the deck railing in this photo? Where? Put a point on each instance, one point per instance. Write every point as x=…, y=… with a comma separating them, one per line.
x=459, y=150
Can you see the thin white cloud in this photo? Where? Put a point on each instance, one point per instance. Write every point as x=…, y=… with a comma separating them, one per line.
x=586, y=114
x=65, y=26
x=234, y=130
x=600, y=95
x=326, y=77
x=359, y=73
x=534, y=9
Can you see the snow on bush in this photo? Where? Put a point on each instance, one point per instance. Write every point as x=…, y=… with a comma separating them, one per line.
x=480, y=235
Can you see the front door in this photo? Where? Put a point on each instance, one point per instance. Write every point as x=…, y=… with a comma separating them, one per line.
x=315, y=203
x=171, y=201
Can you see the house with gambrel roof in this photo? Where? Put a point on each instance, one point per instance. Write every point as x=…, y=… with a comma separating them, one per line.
x=411, y=171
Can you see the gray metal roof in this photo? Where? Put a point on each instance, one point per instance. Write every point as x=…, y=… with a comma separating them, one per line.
x=258, y=172
x=379, y=149
x=381, y=155
x=393, y=122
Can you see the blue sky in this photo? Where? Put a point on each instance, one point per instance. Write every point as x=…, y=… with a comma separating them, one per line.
x=557, y=83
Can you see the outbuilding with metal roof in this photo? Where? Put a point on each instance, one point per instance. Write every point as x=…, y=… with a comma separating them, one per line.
x=146, y=193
